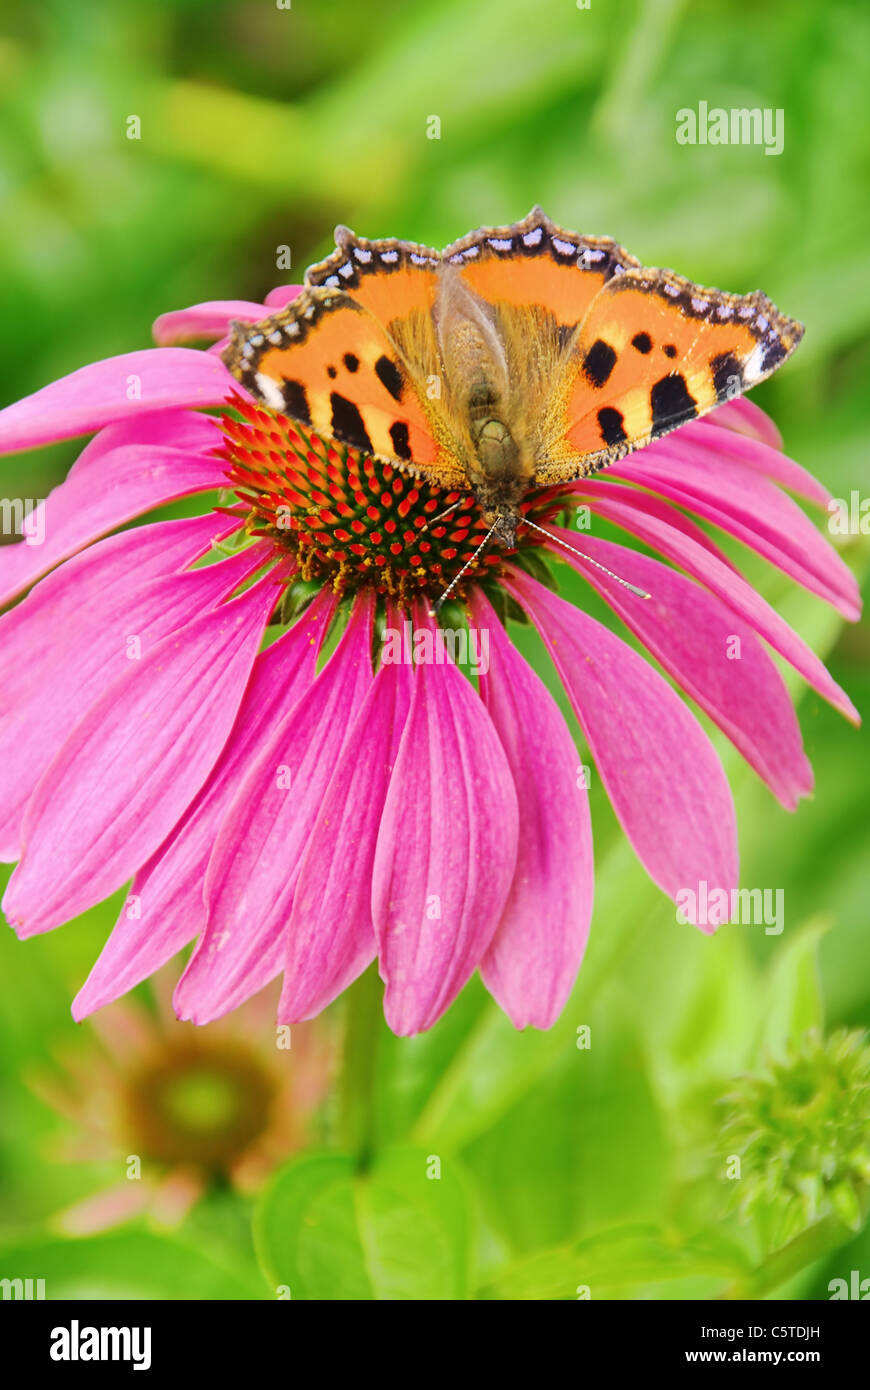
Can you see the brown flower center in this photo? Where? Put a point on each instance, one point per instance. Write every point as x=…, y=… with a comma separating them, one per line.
x=198, y=1105
x=349, y=519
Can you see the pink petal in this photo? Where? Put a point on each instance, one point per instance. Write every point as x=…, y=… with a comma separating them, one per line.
x=129, y=1037
x=447, y=848
x=177, y=1194
x=661, y=772
x=201, y=321
x=753, y=510
x=651, y=506
x=134, y=763
x=255, y=862
x=109, y=485
x=331, y=937
x=533, y=959
x=743, y=416
x=762, y=456
x=628, y=509
x=105, y=1209
x=97, y=395
x=275, y=299
x=281, y=295
x=130, y=558
x=165, y=908
x=691, y=633
x=73, y=641
x=176, y=429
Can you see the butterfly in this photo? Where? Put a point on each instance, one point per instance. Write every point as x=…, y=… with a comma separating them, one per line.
x=520, y=357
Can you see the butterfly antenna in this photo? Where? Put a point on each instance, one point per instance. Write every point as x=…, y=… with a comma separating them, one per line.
x=440, y=517
x=641, y=593
x=433, y=611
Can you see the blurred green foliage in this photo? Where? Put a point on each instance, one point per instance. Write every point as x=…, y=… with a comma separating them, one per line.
x=262, y=127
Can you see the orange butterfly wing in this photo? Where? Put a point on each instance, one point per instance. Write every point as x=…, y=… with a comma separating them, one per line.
x=653, y=352
x=391, y=279
x=326, y=361
x=634, y=352
x=534, y=264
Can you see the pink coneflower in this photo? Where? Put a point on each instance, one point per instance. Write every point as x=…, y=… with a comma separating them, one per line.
x=302, y=817
x=176, y=1111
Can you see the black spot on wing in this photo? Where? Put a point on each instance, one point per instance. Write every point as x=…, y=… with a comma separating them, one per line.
x=391, y=376
x=671, y=403
x=774, y=353
x=248, y=377
x=611, y=423
x=599, y=362
x=332, y=372
x=669, y=350
x=296, y=401
x=727, y=376
x=348, y=425
x=642, y=342
x=351, y=361
x=399, y=436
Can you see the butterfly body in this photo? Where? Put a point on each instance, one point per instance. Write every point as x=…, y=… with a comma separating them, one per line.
x=519, y=357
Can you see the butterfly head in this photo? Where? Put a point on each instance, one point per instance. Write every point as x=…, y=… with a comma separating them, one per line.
x=504, y=519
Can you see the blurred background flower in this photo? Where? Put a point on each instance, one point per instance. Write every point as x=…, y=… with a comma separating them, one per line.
x=177, y=1110
x=801, y=1130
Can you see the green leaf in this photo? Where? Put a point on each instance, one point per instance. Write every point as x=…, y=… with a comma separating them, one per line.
x=583, y=1148
x=126, y=1264
x=400, y=1230
x=611, y=1261
x=792, y=1003
x=847, y=1205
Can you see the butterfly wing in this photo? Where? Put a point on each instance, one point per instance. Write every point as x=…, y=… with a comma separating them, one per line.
x=393, y=280
x=329, y=362
x=536, y=265
x=653, y=352
x=537, y=281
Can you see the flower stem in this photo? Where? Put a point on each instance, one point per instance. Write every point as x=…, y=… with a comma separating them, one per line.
x=356, y=1093
x=808, y=1247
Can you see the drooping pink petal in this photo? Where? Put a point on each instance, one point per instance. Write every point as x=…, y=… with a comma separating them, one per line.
x=77, y=640
x=203, y=321
x=627, y=509
x=281, y=295
x=743, y=416
x=711, y=653
x=145, y=553
x=330, y=936
x=651, y=506
x=752, y=509
x=661, y=772
x=165, y=907
x=533, y=959
x=176, y=1194
x=111, y=483
x=105, y=1209
x=176, y=429
x=129, y=1037
x=760, y=455
x=254, y=865
x=275, y=299
x=117, y=388
x=134, y=763
x=446, y=850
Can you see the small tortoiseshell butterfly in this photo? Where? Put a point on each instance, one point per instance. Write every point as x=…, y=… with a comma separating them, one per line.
x=520, y=357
